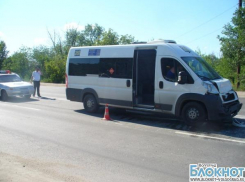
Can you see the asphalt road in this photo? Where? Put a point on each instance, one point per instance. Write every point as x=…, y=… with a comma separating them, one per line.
x=52, y=139
x=242, y=111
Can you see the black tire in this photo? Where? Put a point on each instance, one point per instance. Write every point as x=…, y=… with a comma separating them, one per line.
x=193, y=113
x=27, y=96
x=90, y=104
x=4, y=95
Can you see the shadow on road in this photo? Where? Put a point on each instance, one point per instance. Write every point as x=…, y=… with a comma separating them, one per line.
x=19, y=100
x=170, y=122
x=46, y=98
x=22, y=99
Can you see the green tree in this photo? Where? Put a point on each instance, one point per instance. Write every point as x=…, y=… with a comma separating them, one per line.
x=3, y=53
x=72, y=36
x=41, y=55
x=233, y=43
x=7, y=64
x=52, y=60
x=109, y=38
x=55, y=70
x=126, y=39
x=226, y=69
x=92, y=34
x=211, y=59
x=58, y=44
x=20, y=63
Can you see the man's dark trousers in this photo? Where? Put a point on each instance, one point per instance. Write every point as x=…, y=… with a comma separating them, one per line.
x=36, y=87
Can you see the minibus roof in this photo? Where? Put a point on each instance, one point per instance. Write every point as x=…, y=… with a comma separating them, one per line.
x=127, y=50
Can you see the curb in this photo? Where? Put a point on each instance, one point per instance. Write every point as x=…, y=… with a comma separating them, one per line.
x=241, y=94
x=53, y=84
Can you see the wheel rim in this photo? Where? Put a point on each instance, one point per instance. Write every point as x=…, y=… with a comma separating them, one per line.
x=90, y=103
x=193, y=113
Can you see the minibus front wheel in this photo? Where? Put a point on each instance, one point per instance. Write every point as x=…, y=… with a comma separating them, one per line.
x=193, y=113
x=90, y=104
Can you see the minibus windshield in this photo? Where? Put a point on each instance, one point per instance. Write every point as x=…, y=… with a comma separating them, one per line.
x=201, y=68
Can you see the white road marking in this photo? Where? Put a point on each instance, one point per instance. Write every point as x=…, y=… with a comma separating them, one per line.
x=21, y=107
x=27, y=108
x=210, y=137
x=68, y=100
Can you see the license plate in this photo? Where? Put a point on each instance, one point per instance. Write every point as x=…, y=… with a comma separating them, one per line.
x=24, y=91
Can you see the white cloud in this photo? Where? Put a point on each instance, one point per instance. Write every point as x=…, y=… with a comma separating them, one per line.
x=40, y=41
x=73, y=25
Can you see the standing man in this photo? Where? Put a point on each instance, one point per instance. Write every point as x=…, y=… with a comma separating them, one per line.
x=36, y=77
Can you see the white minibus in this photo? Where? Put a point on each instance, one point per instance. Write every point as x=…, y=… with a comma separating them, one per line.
x=159, y=76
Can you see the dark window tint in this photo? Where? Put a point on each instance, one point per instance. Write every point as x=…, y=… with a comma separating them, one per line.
x=104, y=67
x=171, y=68
x=116, y=67
x=83, y=66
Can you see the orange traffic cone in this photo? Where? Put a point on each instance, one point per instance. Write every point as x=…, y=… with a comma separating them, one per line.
x=106, y=115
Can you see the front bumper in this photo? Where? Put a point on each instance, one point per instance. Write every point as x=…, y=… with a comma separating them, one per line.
x=20, y=92
x=232, y=108
x=218, y=110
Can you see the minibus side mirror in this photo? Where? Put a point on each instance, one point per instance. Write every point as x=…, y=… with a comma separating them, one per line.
x=182, y=78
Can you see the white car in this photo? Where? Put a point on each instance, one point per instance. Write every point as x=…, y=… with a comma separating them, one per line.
x=12, y=85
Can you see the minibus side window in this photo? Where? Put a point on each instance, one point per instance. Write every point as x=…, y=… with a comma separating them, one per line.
x=170, y=69
x=116, y=67
x=103, y=67
x=168, y=66
x=83, y=66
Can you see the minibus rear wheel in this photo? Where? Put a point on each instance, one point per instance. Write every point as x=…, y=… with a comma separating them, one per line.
x=90, y=104
x=193, y=113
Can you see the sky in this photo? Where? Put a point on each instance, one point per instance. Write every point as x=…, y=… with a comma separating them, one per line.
x=194, y=23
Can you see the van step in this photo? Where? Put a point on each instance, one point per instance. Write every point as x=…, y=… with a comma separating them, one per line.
x=141, y=109
x=145, y=106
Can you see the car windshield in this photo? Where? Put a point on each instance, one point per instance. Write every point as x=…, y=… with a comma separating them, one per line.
x=10, y=78
x=201, y=68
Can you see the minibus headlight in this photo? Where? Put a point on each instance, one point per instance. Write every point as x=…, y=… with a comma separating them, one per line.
x=210, y=88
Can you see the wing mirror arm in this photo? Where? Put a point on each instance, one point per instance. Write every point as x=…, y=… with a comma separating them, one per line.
x=182, y=77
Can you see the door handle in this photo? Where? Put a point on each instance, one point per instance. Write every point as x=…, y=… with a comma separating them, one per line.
x=161, y=84
x=128, y=83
